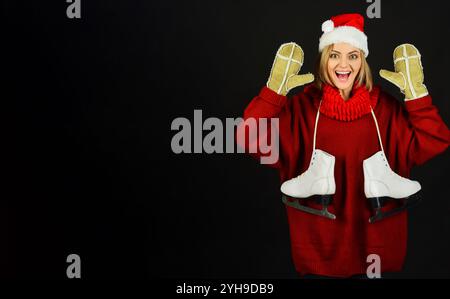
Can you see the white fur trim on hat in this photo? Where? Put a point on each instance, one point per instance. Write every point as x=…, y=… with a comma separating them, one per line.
x=344, y=34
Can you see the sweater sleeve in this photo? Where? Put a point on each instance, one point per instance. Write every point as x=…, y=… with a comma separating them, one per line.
x=259, y=127
x=422, y=130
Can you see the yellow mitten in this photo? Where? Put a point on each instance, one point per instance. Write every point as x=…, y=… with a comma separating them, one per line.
x=286, y=66
x=408, y=74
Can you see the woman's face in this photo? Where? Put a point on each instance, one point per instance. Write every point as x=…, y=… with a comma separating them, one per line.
x=344, y=64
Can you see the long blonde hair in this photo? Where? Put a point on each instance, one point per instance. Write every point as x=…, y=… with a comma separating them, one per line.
x=321, y=71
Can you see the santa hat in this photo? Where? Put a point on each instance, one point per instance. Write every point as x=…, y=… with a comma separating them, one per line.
x=345, y=28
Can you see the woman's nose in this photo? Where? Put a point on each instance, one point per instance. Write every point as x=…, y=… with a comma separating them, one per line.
x=343, y=62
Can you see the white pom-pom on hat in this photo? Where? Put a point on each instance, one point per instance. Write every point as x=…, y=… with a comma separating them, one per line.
x=327, y=26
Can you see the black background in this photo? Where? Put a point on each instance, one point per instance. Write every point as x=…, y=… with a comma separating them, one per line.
x=89, y=104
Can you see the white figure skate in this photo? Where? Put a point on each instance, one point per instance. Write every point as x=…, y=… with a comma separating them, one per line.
x=382, y=184
x=316, y=183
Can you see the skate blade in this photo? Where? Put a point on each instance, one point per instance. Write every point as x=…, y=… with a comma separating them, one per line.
x=295, y=204
x=409, y=202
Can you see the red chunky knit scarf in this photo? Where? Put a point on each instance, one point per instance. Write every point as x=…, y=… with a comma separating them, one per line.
x=358, y=105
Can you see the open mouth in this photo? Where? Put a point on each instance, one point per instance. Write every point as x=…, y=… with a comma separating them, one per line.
x=343, y=76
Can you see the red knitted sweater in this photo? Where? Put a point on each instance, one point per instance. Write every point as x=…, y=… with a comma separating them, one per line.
x=411, y=132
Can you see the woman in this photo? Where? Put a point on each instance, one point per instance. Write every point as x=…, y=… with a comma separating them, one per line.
x=344, y=139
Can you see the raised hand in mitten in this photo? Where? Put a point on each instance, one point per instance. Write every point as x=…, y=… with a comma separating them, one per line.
x=408, y=75
x=286, y=66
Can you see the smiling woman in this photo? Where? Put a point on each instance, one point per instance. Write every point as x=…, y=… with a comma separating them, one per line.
x=340, y=65
x=336, y=172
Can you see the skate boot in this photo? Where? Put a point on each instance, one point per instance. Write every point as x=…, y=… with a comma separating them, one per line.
x=316, y=183
x=381, y=185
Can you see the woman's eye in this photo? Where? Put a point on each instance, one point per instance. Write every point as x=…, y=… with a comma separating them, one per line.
x=353, y=56
x=334, y=56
